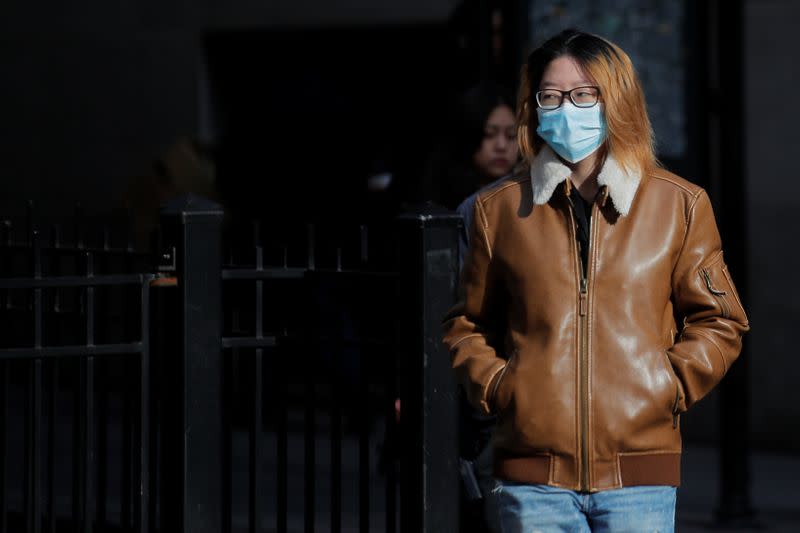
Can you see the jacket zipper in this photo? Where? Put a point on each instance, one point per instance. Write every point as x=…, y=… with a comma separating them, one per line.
x=583, y=345
x=718, y=294
x=584, y=378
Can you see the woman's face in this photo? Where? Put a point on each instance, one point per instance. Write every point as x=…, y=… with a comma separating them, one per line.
x=574, y=129
x=497, y=153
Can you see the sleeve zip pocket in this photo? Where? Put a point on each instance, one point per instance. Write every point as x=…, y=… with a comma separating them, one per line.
x=720, y=295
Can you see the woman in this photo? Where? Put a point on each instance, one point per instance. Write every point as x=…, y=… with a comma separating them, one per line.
x=596, y=306
x=480, y=147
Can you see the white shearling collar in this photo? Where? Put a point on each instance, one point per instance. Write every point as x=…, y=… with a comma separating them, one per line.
x=548, y=171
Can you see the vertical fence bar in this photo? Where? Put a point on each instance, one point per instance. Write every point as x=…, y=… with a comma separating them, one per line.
x=130, y=470
x=392, y=434
x=428, y=261
x=363, y=444
x=4, y=446
x=88, y=369
x=102, y=308
x=35, y=383
x=87, y=513
x=391, y=467
x=51, y=448
x=102, y=445
x=5, y=241
x=230, y=362
x=77, y=448
x=78, y=422
x=256, y=445
x=282, y=451
x=55, y=244
x=309, y=462
x=227, y=442
x=131, y=488
x=36, y=449
x=256, y=438
x=55, y=263
x=281, y=427
x=142, y=498
x=28, y=472
x=193, y=226
x=83, y=452
x=336, y=445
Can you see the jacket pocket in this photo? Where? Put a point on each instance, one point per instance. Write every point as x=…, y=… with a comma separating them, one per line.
x=717, y=281
x=497, y=398
x=735, y=295
x=678, y=399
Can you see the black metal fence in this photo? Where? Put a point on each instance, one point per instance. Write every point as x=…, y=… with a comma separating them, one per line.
x=232, y=387
x=74, y=368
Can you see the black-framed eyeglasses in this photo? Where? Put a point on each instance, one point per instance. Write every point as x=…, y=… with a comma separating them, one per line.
x=586, y=96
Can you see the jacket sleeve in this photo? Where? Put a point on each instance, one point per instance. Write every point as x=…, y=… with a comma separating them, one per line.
x=705, y=298
x=468, y=333
x=466, y=210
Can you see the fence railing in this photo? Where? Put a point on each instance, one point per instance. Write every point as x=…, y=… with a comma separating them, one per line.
x=257, y=393
x=73, y=319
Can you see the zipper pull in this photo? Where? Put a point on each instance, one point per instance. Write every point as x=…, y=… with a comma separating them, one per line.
x=711, y=288
x=584, y=296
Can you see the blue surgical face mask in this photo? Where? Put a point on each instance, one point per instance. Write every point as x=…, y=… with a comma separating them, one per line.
x=572, y=132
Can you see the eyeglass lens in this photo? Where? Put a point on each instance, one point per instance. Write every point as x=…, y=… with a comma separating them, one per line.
x=580, y=96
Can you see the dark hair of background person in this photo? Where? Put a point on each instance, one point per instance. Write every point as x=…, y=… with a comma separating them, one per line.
x=450, y=175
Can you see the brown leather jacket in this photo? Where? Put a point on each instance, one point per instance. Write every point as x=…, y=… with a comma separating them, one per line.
x=588, y=374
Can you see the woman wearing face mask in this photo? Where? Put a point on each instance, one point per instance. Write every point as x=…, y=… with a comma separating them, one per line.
x=596, y=305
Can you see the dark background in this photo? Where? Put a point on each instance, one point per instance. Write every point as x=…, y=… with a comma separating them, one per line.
x=306, y=99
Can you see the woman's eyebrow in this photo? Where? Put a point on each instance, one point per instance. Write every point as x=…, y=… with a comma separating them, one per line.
x=581, y=83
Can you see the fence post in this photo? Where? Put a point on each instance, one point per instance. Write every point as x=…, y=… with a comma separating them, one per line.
x=428, y=266
x=192, y=234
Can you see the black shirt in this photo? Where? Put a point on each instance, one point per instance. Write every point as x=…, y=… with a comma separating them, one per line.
x=582, y=210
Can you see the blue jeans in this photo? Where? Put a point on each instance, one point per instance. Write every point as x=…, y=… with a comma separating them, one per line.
x=519, y=508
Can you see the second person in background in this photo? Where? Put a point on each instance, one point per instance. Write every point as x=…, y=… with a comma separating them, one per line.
x=477, y=150
x=478, y=147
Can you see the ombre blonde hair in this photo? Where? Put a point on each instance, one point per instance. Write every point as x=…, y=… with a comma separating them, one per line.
x=629, y=135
